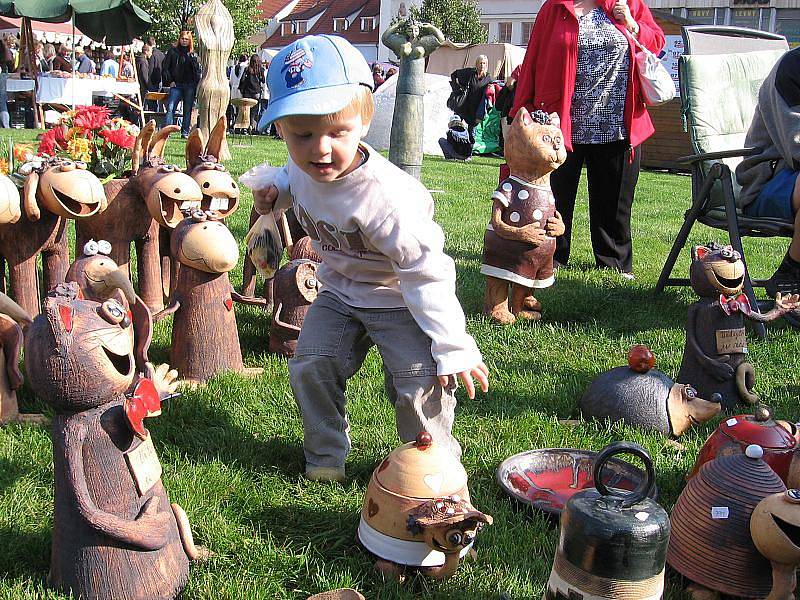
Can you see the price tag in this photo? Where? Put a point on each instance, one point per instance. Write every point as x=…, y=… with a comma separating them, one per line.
x=720, y=512
x=144, y=465
x=731, y=422
x=642, y=516
x=732, y=341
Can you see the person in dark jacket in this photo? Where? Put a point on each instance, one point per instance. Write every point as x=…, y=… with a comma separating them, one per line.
x=60, y=62
x=144, y=70
x=250, y=85
x=181, y=72
x=474, y=80
x=156, y=65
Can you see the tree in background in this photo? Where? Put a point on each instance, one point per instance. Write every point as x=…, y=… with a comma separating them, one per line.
x=459, y=20
x=169, y=17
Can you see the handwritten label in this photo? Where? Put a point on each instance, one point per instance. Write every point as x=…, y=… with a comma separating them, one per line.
x=720, y=512
x=732, y=341
x=144, y=465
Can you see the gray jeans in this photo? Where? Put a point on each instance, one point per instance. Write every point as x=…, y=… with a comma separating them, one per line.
x=332, y=347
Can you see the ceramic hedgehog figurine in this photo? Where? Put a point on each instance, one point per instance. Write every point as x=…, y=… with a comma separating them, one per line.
x=715, y=354
x=115, y=534
x=645, y=397
x=519, y=243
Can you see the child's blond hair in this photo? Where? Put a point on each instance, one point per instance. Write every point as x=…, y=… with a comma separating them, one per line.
x=360, y=104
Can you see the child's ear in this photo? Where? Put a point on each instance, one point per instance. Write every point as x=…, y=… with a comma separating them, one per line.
x=365, y=128
x=279, y=129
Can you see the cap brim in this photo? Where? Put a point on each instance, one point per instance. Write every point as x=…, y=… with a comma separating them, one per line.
x=320, y=101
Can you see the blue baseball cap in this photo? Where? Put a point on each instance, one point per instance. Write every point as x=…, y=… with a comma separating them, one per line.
x=316, y=75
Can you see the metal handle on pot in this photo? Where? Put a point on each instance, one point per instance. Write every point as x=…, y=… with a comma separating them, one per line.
x=644, y=488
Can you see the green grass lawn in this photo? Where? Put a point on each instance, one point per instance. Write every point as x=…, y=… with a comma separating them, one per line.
x=232, y=452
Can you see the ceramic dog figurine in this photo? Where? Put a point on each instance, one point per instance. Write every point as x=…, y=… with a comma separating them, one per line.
x=154, y=196
x=115, y=534
x=205, y=341
x=55, y=190
x=519, y=243
x=645, y=397
x=715, y=355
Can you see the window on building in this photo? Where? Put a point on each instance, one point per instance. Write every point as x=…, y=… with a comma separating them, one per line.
x=286, y=28
x=485, y=27
x=300, y=27
x=505, y=31
x=340, y=24
x=368, y=23
x=678, y=12
x=701, y=16
x=527, y=27
x=787, y=23
x=745, y=17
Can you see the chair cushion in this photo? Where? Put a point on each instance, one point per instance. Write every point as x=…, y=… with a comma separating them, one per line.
x=719, y=93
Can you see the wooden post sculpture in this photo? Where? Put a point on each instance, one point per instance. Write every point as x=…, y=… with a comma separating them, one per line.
x=411, y=42
x=214, y=27
x=54, y=191
x=519, y=242
x=203, y=164
x=115, y=534
x=205, y=341
x=11, y=317
x=153, y=197
x=715, y=354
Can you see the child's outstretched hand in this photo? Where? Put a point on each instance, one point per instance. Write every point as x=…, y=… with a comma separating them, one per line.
x=264, y=199
x=479, y=372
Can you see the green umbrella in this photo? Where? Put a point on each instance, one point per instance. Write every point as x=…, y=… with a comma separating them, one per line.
x=115, y=22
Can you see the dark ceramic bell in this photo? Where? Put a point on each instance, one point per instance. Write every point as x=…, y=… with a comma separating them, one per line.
x=613, y=543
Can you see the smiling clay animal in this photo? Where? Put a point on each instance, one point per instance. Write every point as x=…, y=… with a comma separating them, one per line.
x=516, y=250
x=205, y=341
x=220, y=191
x=152, y=198
x=715, y=354
x=54, y=192
x=115, y=534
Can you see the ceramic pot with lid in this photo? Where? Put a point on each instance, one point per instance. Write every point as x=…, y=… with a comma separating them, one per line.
x=613, y=543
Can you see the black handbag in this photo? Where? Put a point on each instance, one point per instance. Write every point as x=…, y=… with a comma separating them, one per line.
x=458, y=96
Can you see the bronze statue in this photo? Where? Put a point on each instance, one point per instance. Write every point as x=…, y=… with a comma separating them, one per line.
x=411, y=41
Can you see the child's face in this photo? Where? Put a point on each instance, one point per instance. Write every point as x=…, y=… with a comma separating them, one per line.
x=325, y=150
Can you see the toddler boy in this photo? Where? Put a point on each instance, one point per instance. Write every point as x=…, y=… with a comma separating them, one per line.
x=385, y=278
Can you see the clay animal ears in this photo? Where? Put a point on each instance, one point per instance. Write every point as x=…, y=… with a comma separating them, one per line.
x=196, y=149
x=150, y=143
x=29, y=203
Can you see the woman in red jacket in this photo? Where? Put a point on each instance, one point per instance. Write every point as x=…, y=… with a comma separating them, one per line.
x=580, y=64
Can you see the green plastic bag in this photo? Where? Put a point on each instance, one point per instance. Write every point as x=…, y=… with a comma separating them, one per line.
x=487, y=133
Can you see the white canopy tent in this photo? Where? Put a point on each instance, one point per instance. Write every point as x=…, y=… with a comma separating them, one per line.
x=503, y=58
x=437, y=90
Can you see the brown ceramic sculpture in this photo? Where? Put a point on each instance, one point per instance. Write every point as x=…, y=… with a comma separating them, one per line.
x=115, y=534
x=715, y=355
x=295, y=287
x=517, y=250
x=646, y=397
x=205, y=341
x=10, y=209
x=203, y=164
x=54, y=191
x=12, y=319
x=730, y=523
x=154, y=196
x=417, y=511
x=98, y=276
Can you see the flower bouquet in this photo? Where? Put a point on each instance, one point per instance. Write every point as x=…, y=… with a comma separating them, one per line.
x=90, y=135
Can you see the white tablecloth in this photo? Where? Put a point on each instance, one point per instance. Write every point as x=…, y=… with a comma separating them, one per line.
x=79, y=91
x=19, y=85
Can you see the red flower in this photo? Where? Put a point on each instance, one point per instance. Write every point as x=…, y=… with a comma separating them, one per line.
x=53, y=140
x=91, y=117
x=118, y=137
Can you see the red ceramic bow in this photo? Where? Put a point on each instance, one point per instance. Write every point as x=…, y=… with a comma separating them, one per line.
x=144, y=402
x=734, y=304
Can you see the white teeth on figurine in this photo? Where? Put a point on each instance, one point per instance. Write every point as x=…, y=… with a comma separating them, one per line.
x=219, y=204
x=187, y=204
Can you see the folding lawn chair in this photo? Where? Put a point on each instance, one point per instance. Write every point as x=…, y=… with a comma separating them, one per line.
x=721, y=71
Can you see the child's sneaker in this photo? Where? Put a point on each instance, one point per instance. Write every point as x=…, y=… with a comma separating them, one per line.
x=325, y=473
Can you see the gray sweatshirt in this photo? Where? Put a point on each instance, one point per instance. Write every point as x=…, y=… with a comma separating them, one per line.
x=775, y=128
x=380, y=248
